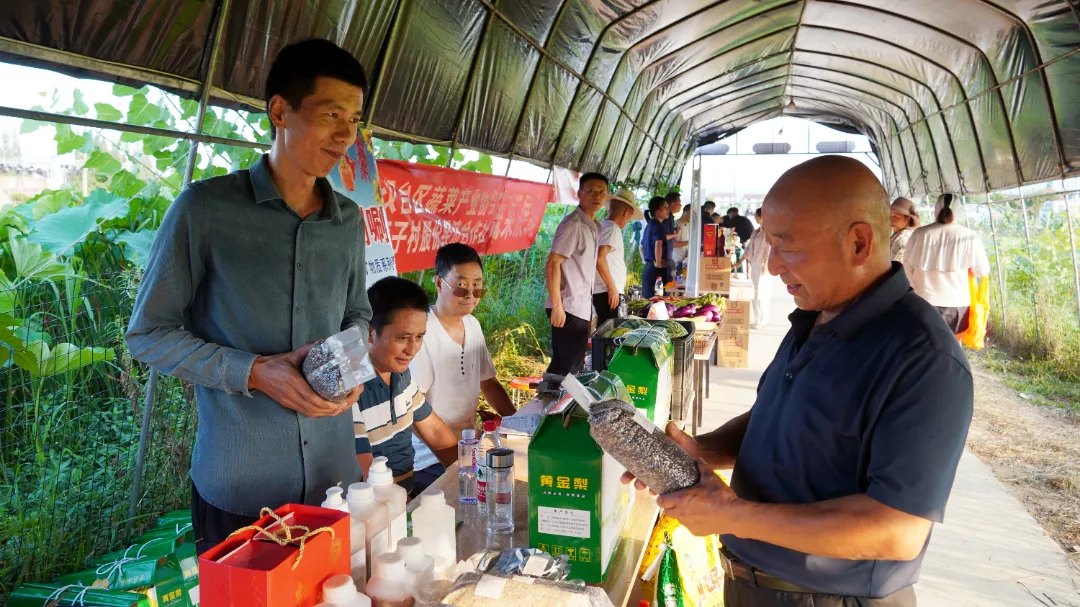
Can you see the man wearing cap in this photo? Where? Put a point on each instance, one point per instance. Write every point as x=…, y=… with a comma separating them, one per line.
x=610, y=255
x=571, y=274
x=904, y=219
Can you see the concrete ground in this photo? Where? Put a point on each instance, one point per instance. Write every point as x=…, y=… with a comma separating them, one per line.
x=989, y=552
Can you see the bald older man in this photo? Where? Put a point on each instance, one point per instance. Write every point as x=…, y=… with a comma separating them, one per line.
x=849, y=453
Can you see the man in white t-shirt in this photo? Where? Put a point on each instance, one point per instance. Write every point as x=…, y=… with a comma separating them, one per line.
x=454, y=366
x=611, y=255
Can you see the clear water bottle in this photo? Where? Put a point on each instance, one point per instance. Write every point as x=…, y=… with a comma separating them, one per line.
x=500, y=490
x=467, y=466
x=659, y=288
x=490, y=440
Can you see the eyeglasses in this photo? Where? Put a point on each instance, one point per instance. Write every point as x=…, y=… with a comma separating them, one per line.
x=478, y=292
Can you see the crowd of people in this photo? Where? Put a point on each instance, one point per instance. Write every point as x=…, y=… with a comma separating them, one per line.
x=840, y=468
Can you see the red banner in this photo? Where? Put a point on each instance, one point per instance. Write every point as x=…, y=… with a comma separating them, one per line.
x=428, y=206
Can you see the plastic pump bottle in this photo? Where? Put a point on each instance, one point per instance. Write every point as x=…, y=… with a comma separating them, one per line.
x=387, y=587
x=382, y=478
x=339, y=591
x=334, y=500
x=419, y=567
x=434, y=522
x=367, y=514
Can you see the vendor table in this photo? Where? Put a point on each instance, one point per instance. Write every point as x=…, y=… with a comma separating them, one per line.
x=472, y=534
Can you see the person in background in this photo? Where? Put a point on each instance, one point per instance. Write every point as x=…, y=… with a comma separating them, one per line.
x=674, y=202
x=938, y=258
x=904, y=219
x=571, y=274
x=610, y=256
x=235, y=293
x=744, y=229
x=392, y=409
x=681, y=247
x=653, y=243
x=848, y=456
x=453, y=367
x=757, y=256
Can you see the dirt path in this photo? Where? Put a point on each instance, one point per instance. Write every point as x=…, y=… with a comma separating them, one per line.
x=1034, y=450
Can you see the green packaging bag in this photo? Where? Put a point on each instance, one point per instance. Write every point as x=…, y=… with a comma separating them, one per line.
x=176, y=516
x=163, y=584
x=151, y=548
x=73, y=595
x=643, y=362
x=179, y=531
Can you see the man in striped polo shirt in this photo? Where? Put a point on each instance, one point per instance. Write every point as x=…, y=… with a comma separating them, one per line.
x=392, y=409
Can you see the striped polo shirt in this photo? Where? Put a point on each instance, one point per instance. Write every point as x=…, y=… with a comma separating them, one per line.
x=383, y=419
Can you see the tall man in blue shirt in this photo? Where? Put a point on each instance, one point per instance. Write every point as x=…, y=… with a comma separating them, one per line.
x=246, y=271
x=849, y=453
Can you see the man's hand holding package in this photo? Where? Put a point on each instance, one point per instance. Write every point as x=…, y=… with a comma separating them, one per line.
x=279, y=377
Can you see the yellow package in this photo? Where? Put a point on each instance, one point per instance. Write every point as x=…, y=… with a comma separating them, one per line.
x=698, y=559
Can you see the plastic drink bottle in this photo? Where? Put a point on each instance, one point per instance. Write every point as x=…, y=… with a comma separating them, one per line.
x=467, y=466
x=382, y=479
x=659, y=287
x=371, y=514
x=490, y=440
x=339, y=591
x=334, y=500
x=387, y=586
x=435, y=523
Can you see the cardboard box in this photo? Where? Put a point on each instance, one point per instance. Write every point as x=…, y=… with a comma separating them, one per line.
x=736, y=319
x=709, y=242
x=733, y=351
x=247, y=570
x=643, y=363
x=577, y=505
x=715, y=275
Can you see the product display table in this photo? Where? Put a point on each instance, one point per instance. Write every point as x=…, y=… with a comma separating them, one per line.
x=472, y=536
x=704, y=351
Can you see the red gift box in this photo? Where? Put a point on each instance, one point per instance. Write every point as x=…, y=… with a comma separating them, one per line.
x=709, y=241
x=280, y=561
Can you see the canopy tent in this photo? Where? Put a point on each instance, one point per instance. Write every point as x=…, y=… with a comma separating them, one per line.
x=957, y=95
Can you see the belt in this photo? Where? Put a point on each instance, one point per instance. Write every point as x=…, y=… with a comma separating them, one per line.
x=738, y=570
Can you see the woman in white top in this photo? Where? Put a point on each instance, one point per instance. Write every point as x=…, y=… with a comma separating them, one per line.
x=937, y=261
x=611, y=255
x=904, y=219
x=757, y=255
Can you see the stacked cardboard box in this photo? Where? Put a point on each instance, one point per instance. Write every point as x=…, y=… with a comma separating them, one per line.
x=733, y=347
x=715, y=275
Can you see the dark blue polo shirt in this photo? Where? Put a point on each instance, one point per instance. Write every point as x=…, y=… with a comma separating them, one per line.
x=876, y=401
x=654, y=231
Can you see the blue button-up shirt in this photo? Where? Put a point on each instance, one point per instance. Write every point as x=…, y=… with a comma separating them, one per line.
x=876, y=401
x=236, y=273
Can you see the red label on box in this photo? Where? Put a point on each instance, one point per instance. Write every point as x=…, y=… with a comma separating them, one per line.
x=709, y=241
x=245, y=570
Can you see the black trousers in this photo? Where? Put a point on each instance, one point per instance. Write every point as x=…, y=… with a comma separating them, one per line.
x=604, y=312
x=739, y=593
x=568, y=344
x=211, y=524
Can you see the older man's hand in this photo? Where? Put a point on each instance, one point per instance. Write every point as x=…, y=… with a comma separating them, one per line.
x=682, y=439
x=705, y=508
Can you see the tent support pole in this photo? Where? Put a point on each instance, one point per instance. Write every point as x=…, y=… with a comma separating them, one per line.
x=1072, y=250
x=1031, y=258
x=997, y=264
x=221, y=14
x=144, y=439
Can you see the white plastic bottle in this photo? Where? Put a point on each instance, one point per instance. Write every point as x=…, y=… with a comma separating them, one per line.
x=339, y=591
x=490, y=440
x=435, y=523
x=387, y=586
x=382, y=478
x=370, y=513
x=419, y=567
x=334, y=500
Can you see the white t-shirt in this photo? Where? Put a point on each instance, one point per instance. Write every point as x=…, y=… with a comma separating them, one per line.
x=937, y=260
x=449, y=376
x=611, y=235
x=682, y=234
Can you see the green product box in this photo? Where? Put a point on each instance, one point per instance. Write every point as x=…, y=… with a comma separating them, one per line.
x=643, y=362
x=186, y=561
x=577, y=505
x=71, y=595
x=162, y=583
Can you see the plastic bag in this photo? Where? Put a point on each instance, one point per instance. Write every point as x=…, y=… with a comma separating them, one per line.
x=491, y=590
x=338, y=364
x=626, y=434
x=974, y=336
x=697, y=560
